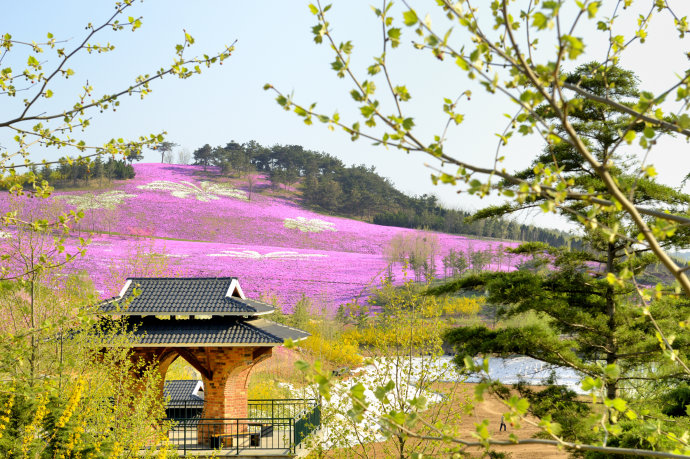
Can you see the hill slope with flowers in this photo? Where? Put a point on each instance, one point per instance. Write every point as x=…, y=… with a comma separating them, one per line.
x=198, y=223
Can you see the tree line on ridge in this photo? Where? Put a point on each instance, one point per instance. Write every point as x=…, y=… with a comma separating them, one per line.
x=329, y=185
x=68, y=172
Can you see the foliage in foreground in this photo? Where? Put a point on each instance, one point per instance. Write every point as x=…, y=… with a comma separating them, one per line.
x=69, y=389
x=402, y=345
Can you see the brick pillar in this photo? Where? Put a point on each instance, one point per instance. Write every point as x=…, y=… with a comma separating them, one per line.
x=225, y=373
x=163, y=365
x=224, y=395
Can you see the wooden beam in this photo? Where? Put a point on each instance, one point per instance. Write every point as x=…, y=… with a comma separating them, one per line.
x=207, y=354
x=259, y=353
x=193, y=361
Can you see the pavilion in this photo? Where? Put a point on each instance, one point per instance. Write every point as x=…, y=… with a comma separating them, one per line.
x=209, y=323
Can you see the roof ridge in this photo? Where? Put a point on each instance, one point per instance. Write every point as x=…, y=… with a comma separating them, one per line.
x=186, y=296
x=184, y=278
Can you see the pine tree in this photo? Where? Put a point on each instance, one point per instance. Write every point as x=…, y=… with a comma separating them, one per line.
x=581, y=299
x=574, y=329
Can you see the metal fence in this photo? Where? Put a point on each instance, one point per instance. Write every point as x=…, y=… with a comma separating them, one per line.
x=184, y=409
x=307, y=423
x=233, y=434
x=277, y=425
x=279, y=408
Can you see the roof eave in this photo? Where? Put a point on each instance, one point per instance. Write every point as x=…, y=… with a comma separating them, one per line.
x=197, y=344
x=125, y=312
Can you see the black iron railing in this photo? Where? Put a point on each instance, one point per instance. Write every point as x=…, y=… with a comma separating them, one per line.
x=308, y=422
x=184, y=409
x=271, y=425
x=233, y=434
x=279, y=408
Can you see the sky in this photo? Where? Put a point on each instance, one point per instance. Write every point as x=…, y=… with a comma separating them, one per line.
x=273, y=44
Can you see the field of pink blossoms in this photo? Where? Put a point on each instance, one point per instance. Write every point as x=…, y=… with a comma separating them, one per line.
x=204, y=225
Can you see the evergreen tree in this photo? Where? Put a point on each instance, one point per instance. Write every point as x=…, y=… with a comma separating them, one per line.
x=98, y=170
x=46, y=171
x=164, y=148
x=575, y=328
x=599, y=308
x=329, y=193
x=133, y=154
x=203, y=156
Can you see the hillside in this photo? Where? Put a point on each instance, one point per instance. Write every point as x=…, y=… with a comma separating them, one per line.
x=326, y=185
x=181, y=220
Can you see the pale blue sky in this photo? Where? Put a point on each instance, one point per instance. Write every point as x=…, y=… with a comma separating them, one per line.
x=274, y=44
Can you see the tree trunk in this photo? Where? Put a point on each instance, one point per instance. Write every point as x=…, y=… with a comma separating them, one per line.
x=32, y=356
x=611, y=356
x=401, y=447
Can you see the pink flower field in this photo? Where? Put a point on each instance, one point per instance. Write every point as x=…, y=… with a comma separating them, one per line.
x=203, y=224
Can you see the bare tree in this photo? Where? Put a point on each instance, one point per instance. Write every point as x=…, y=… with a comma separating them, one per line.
x=251, y=182
x=184, y=156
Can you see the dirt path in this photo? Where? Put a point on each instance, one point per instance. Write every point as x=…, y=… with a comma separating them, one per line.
x=492, y=409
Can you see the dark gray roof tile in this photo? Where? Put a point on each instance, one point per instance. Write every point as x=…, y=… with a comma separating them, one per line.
x=181, y=390
x=218, y=331
x=183, y=296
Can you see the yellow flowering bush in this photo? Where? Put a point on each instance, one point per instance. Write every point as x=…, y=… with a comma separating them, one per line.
x=5, y=415
x=380, y=336
x=451, y=305
x=338, y=351
x=82, y=413
x=71, y=404
x=33, y=429
x=264, y=388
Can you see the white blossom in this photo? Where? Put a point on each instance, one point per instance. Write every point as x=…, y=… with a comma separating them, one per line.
x=204, y=191
x=87, y=201
x=309, y=226
x=252, y=254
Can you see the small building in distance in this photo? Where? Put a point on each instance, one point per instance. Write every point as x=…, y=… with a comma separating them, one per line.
x=184, y=398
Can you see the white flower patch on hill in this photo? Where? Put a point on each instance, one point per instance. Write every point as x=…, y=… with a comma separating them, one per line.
x=205, y=191
x=5, y=235
x=309, y=226
x=271, y=255
x=87, y=201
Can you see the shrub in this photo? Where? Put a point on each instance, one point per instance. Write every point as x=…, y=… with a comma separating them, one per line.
x=461, y=305
x=339, y=351
x=676, y=401
x=263, y=386
x=563, y=406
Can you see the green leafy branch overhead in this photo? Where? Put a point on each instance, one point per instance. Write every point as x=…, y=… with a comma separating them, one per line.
x=526, y=53
x=39, y=125
x=505, y=64
x=32, y=125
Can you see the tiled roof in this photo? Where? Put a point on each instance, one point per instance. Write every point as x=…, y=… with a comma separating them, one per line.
x=184, y=296
x=180, y=390
x=219, y=331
